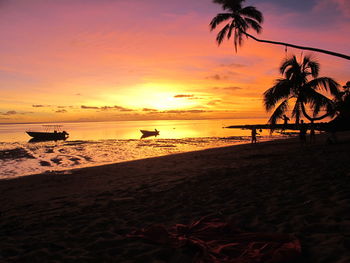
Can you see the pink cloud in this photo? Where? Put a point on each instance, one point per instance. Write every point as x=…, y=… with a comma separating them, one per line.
x=344, y=7
x=105, y=47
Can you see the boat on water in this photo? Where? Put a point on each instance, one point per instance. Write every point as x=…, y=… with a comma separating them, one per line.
x=146, y=133
x=50, y=133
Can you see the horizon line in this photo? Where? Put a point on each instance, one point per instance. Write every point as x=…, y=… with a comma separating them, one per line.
x=42, y=122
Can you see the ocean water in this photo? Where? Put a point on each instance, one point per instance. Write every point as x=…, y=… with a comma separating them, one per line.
x=98, y=143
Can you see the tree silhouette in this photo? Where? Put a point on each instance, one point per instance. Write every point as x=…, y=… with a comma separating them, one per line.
x=301, y=84
x=343, y=101
x=240, y=19
x=342, y=121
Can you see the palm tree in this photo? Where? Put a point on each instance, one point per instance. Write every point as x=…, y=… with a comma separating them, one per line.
x=342, y=121
x=241, y=19
x=343, y=100
x=302, y=85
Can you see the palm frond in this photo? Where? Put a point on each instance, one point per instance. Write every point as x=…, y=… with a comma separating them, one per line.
x=318, y=101
x=252, y=12
x=293, y=71
x=310, y=63
x=281, y=90
x=254, y=24
x=331, y=109
x=222, y=34
x=232, y=27
x=315, y=68
x=288, y=63
x=218, y=19
x=238, y=40
x=230, y=4
x=240, y=23
x=279, y=111
x=325, y=83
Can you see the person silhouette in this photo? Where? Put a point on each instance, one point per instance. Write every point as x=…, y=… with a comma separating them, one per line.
x=312, y=132
x=285, y=122
x=302, y=132
x=254, y=133
x=285, y=119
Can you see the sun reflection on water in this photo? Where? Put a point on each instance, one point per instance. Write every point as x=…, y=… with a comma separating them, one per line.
x=93, y=144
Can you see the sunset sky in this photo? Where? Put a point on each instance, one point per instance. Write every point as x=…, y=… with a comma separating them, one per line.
x=89, y=60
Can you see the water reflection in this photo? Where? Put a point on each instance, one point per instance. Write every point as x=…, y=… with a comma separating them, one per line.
x=35, y=140
x=144, y=136
x=170, y=129
x=28, y=158
x=97, y=143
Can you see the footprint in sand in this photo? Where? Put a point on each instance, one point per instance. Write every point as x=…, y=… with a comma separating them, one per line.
x=75, y=160
x=44, y=163
x=56, y=160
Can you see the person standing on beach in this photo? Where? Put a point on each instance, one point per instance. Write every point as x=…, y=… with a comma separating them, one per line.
x=254, y=133
x=302, y=133
x=285, y=122
x=312, y=132
x=285, y=119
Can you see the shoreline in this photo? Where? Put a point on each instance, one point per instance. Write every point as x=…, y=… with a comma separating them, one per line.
x=275, y=186
x=37, y=159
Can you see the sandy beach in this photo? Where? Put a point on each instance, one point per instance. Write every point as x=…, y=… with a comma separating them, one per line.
x=84, y=215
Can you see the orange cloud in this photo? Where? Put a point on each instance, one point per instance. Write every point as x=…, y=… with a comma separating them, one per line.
x=91, y=53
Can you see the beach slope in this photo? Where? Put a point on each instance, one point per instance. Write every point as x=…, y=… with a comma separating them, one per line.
x=84, y=215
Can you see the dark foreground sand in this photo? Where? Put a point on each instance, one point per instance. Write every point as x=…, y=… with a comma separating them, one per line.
x=269, y=187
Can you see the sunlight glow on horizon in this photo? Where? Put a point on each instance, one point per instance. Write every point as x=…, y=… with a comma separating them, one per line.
x=98, y=60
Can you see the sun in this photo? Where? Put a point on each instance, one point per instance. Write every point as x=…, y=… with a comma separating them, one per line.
x=161, y=97
x=167, y=101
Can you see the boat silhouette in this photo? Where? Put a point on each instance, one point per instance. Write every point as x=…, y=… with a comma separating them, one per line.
x=146, y=133
x=51, y=133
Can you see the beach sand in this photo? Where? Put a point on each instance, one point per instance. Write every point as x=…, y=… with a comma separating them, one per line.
x=84, y=215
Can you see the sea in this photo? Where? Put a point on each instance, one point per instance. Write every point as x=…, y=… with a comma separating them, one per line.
x=99, y=143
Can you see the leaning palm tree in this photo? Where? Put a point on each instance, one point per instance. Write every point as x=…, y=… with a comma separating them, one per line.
x=301, y=84
x=241, y=19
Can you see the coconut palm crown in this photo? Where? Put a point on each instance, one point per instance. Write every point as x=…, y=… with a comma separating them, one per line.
x=239, y=19
x=301, y=84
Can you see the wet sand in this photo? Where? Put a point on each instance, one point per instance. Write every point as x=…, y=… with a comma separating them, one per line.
x=84, y=215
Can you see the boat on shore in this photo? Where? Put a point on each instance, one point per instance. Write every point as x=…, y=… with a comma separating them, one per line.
x=51, y=133
x=146, y=133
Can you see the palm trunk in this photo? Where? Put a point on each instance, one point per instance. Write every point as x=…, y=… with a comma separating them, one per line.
x=307, y=116
x=299, y=47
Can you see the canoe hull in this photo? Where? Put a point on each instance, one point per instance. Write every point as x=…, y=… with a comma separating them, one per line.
x=48, y=135
x=149, y=133
x=146, y=133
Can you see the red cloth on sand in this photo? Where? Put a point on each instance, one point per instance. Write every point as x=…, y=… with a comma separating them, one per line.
x=215, y=241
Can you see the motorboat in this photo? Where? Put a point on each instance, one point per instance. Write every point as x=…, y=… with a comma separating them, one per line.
x=50, y=133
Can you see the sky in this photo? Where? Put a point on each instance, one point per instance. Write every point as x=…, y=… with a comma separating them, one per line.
x=111, y=60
